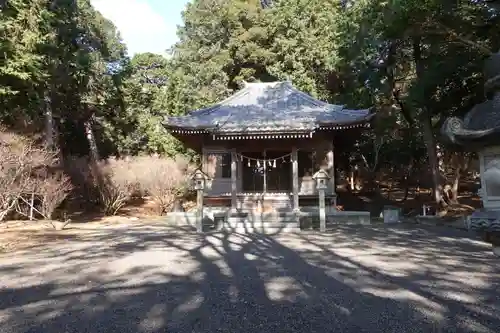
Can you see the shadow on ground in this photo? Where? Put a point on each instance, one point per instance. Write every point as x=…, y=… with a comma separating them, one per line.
x=154, y=279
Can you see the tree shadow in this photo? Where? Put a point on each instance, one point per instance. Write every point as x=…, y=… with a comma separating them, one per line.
x=155, y=279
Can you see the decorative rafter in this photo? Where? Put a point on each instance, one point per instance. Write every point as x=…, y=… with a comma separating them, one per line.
x=270, y=135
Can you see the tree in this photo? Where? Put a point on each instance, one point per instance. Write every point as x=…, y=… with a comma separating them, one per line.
x=146, y=99
x=421, y=60
x=22, y=34
x=417, y=62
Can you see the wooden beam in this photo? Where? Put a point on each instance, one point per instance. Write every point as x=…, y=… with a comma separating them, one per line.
x=269, y=145
x=265, y=172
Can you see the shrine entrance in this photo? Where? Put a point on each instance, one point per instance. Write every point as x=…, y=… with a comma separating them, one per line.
x=267, y=172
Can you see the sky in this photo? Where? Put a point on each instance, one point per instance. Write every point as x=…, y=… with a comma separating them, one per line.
x=145, y=25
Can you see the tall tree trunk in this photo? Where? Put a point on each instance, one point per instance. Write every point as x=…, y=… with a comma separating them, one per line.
x=94, y=152
x=94, y=158
x=57, y=144
x=461, y=165
x=51, y=130
x=428, y=134
x=49, y=122
x=454, y=187
x=430, y=145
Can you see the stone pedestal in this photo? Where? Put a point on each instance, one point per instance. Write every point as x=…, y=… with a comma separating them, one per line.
x=200, y=180
x=199, y=211
x=322, y=177
x=487, y=223
x=322, y=211
x=391, y=215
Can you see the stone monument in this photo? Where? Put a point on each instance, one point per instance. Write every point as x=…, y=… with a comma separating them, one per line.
x=480, y=132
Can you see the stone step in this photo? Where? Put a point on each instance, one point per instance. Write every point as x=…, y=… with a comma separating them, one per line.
x=261, y=224
x=264, y=230
x=275, y=221
x=285, y=213
x=278, y=202
x=263, y=217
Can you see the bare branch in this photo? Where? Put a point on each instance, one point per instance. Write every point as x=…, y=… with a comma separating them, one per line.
x=461, y=39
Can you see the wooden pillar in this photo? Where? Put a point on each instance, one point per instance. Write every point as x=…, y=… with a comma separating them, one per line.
x=331, y=171
x=295, y=178
x=265, y=173
x=233, y=179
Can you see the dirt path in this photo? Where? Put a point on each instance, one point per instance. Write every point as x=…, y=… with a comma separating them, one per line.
x=138, y=278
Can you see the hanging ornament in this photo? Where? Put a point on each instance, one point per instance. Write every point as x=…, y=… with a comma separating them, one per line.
x=248, y=163
x=258, y=164
x=274, y=164
x=270, y=163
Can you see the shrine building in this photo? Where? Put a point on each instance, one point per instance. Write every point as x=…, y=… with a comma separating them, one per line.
x=262, y=145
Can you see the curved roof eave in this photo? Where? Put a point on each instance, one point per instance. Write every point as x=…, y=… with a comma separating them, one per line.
x=455, y=133
x=277, y=104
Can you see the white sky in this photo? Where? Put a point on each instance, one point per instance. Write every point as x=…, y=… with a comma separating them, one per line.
x=145, y=25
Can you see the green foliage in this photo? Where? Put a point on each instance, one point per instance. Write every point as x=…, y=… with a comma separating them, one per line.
x=22, y=35
x=305, y=43
x=378, y=59
x=145, y=93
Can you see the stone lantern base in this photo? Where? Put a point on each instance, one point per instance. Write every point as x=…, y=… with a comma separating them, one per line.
x=487, y=224
x=494, y=240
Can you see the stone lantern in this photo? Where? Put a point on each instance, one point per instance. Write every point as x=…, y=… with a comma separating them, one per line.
x=480, y=132
x=322, y=177
x=200, y=181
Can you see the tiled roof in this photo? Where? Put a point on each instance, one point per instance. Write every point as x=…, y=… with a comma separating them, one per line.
x=268, y=107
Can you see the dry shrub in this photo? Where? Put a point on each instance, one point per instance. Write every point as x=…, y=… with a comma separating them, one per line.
x=109, y=183
x=22, y=165
x=80, y=172
x=164, y=179
x=13, y=176
x=116, y=183
x=18, y=160
x=52, y=191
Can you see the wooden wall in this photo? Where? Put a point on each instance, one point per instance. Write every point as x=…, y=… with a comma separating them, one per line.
x=320, y=143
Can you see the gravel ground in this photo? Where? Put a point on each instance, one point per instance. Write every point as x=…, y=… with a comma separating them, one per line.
x=155, y=279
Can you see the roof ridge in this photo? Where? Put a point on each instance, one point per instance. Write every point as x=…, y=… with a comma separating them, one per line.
x=210, y=109
x=310, y=98
x=264, y=83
